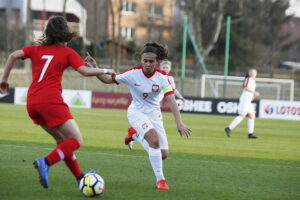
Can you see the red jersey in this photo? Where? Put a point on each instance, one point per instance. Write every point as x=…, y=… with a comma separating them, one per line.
x=48, y=65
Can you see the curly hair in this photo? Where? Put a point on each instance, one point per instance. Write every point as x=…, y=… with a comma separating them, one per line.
x=57, y=32
x=159, y=50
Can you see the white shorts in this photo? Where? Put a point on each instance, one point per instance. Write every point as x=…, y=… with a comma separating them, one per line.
x=245, y=107
x=142, y=123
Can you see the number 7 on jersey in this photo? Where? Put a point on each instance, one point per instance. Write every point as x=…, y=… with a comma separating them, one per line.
x=49, y=58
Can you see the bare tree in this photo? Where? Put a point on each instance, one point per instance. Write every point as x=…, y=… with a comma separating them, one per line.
x=96, y=27
x=118, y=49
x=28, y=27
x=116, y=17
x=205, y=19
x=64, y=8
x=113, y=33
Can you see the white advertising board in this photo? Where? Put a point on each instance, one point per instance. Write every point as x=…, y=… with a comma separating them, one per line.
x=77, y=98
x=273, y=109
x=74, y=98
x=20, y=95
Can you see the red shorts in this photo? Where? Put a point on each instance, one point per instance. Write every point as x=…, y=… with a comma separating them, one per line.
x=50, y=114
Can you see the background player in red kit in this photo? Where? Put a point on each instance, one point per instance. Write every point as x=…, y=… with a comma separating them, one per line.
x=45, y=104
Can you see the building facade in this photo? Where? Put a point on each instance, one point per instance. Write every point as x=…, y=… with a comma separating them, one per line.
x=131, y=20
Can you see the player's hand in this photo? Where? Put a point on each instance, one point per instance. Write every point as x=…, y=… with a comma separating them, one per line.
x=184, y=130
x=3, y=87
x=256, y=94
x=111, y=71
x=183, y=100
x=90, y=61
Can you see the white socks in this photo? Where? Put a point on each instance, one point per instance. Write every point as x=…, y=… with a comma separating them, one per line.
x=250, y=125
x=235, y=122
x=143, y=142
x=156, y=162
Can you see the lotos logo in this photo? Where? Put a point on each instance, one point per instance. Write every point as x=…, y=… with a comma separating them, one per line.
x=269, y=110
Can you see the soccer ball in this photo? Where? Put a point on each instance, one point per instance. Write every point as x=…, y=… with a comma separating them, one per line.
x=91, y=185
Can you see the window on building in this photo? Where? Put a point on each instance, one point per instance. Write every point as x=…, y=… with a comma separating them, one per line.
x=127, y=33
x=128, y=7
x=155, y=10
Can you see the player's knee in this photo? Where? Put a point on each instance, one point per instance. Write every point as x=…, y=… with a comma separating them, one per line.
x=152, y=138
x=155, y=143
x=79, y=139
x=251, y=116
x=164, y=154
x=242, y=116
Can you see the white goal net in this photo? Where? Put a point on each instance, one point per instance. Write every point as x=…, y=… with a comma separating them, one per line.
x=217, y=86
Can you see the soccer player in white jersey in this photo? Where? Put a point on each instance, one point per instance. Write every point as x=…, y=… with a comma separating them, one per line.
x=166, y=66
x=245, y=106
x=145, y=82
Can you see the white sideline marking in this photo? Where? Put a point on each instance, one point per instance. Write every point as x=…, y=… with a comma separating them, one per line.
x=139, y=156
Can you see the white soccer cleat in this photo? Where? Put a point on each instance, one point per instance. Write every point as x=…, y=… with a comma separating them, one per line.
x=130, y=145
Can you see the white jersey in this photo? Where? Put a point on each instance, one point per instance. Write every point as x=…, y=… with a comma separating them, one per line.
x=172, y=83
x=246, y=95
x=145, y=89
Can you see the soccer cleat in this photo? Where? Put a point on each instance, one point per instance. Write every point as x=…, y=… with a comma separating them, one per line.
x=162, y=185
x=130, y=145
x=43, y=169
x=252, y=136
x=92, y=171
x=228, y=131
x=129, y=138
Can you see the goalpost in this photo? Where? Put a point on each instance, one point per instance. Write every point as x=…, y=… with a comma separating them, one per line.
x=231, y=87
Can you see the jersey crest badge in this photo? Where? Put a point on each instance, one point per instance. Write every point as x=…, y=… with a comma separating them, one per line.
x=155, y=88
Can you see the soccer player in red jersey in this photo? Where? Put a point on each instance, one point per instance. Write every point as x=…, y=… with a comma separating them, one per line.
x=45, y=104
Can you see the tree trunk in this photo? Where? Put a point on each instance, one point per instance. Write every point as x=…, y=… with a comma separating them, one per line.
x=96, y=28
x=28, y=28
x=216, y=32
x=64, y=8
x=118, y=49
x=113, y=26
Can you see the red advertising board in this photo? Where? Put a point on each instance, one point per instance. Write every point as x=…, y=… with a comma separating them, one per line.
x=117, y=100
x=110, y=100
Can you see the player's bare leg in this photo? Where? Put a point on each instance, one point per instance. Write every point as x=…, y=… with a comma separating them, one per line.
x=68, y=138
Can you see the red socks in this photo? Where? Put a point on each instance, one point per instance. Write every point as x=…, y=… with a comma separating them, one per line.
x=73, y=166
x=64, y=151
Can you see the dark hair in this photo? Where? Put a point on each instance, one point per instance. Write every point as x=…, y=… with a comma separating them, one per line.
x=246, y=76
x=160, y=51
x=57, y=32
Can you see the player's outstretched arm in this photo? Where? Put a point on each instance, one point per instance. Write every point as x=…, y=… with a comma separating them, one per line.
x=181, y=127
x=10, y=63
x=89, y=71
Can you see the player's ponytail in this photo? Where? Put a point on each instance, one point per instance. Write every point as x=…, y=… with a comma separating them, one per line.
x=156, y=48
x=246, y=77
x=57, y=32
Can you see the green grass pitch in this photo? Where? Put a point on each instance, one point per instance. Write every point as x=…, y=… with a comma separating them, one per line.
x=208, y=165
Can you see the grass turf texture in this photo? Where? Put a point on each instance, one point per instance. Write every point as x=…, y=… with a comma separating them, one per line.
x=206, y=166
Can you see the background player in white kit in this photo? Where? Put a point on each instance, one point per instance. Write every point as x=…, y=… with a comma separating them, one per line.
x=245, y=106
x=145, y=83
x=166, y=66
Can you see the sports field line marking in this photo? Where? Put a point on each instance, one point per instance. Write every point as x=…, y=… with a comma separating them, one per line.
x=140, y=156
